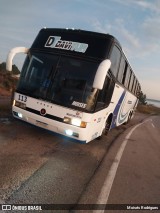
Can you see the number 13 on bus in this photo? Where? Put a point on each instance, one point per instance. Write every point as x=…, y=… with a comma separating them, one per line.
x=76, y=83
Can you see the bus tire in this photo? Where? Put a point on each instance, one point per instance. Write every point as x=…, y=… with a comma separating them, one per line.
x=129, y=118
x=106, y=128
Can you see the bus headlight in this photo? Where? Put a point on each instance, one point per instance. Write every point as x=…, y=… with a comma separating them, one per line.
x=75, y=122
x=19, y=104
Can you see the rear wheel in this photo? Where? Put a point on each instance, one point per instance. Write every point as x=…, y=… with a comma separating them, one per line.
x=129, y=118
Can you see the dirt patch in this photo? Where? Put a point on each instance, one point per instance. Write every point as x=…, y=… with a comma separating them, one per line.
x=4, y=92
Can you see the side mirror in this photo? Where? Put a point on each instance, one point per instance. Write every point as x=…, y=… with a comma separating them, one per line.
x=101, y=74
x=11, y=55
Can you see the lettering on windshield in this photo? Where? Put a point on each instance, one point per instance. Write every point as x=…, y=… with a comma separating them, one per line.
x=56, y=42
x=78, y=104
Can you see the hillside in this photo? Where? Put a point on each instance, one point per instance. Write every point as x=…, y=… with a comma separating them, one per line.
x=7, y=79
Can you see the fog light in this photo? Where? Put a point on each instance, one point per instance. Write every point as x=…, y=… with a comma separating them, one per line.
x=67, y=120
x=69, y=132
x=20, y=115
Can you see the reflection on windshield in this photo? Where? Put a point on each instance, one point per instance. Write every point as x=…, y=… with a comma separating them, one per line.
x=58, y=79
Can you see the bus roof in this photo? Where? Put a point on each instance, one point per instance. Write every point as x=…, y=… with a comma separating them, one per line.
x=75, y=42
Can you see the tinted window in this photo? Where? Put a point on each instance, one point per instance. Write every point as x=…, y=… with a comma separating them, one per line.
x=135, y=91
x=132, y=89
x=115, y=59
x=135, y=86
x=131, y=82
x=126, y=82
x=121, y=70
x=124, y=73
x=58, y=79
x=105, y=95
x=130, y=75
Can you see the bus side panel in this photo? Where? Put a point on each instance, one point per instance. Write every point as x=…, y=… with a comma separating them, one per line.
x=97, y=123
x=116, y=101
x=127, y=107
x=99, y=118
x=126, y=102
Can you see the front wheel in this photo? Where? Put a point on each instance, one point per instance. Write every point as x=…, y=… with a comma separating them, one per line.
x=105, y=129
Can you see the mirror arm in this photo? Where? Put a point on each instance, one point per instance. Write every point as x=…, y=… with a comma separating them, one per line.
x=11, y=55
x=101, y=74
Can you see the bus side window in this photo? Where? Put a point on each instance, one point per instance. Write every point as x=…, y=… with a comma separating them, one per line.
x=131, y=82
x=121, y=70
x=127, y=76
x=105, y=95
x=132, y=89
x=130, y=76
x=124, y=73
x=115, y=60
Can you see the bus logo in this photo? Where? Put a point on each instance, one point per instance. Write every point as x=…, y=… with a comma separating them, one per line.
x=56, y=42
x=43, y=112
x=6, y=207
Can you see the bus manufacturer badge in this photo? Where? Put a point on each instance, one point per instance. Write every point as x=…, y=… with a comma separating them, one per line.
x=43, y=112
x=56, y=42
x=78, y=104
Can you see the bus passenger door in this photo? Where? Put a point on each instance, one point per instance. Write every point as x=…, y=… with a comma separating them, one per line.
x=105, y=95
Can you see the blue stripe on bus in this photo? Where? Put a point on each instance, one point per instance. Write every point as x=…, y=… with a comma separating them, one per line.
x=116, y=110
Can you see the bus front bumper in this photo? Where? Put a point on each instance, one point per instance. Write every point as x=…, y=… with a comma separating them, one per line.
x=52, y=125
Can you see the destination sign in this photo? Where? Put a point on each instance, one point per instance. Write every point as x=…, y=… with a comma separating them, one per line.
x=56, y=42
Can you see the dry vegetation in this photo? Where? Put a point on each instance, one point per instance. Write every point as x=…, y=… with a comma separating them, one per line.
x=148, y=109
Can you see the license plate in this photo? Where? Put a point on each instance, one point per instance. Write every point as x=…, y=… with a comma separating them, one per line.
x=41, y=124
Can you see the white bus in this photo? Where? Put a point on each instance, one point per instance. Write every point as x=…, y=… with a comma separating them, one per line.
x=76, y=83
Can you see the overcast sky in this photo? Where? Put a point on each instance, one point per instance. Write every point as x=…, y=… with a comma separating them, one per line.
x=135, y=23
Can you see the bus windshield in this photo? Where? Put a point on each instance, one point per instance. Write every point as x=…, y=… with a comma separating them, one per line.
x=58, y=79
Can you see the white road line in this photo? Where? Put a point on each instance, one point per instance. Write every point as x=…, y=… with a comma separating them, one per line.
x=105, y=191
x=147, y=120
x=153, y=125
x=151, y=122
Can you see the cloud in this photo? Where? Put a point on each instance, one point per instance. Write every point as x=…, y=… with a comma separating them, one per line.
x=138, y=41
x=129, y=36
x=152, y=27
x=151, y=88
x=118, y=29
x=152, y=6
x=99, y=27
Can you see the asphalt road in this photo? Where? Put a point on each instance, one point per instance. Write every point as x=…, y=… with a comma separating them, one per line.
x=134, y=178
x=39, y=167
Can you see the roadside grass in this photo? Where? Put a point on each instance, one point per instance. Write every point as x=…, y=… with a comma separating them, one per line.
x=148, y=109
x=5, y=107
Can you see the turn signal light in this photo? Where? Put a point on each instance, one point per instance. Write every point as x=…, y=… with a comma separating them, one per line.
x=75, y=122
x=19, y=104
